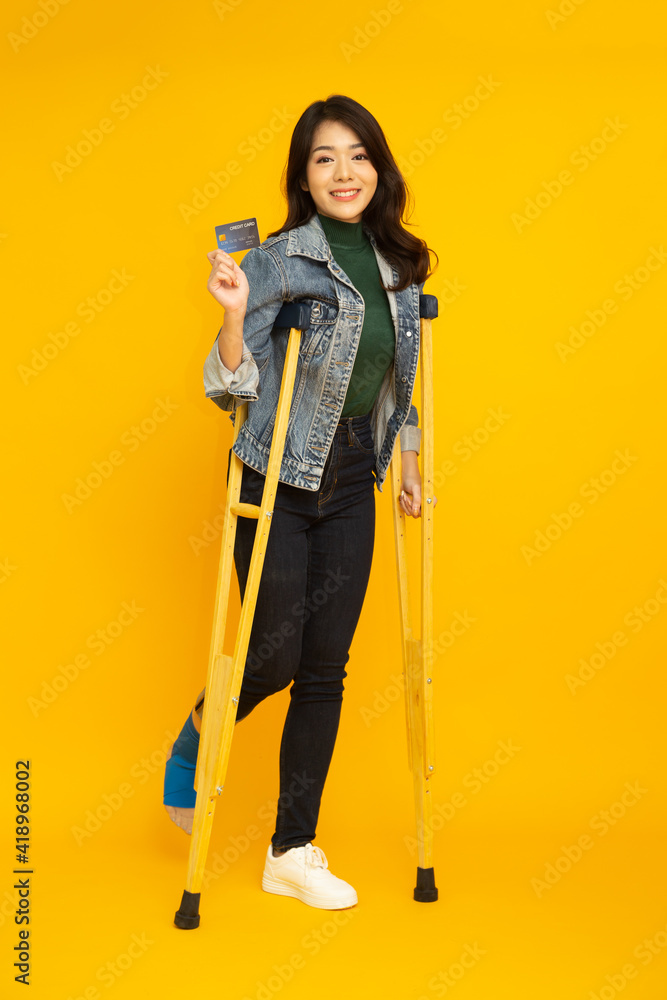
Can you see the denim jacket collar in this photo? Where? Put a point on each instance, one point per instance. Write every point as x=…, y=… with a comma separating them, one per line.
x=309, y=240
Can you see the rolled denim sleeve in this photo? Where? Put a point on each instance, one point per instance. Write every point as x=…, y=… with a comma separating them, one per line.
x=410, y=433
x=267, y=291
x=222, y=385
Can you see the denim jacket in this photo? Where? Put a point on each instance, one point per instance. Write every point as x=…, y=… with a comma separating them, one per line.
x=297, y=265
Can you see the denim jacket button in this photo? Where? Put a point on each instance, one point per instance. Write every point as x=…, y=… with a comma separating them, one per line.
x=408, y=333
x=404, y=379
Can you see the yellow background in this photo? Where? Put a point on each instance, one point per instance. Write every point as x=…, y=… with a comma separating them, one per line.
x=520, y=288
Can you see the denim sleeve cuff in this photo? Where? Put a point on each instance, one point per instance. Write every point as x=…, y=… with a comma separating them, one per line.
x=222, y=385
x=410, y=438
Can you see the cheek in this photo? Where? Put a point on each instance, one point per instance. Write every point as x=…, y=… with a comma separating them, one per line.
x=372, y=180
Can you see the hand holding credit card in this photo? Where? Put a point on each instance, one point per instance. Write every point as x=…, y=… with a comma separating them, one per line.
x=241, y=235
x=227, y=283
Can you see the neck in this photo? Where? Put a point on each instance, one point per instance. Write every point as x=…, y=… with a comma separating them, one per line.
x=342, y=234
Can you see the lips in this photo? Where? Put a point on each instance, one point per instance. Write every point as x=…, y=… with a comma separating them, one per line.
x=345, y=194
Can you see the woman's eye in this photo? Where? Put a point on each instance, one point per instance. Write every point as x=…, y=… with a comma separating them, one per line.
x=321, y=159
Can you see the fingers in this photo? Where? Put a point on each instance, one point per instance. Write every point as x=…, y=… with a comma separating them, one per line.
x=216, y=255
x=224, y=267
x=411, y=503
x=416, y=500
x=411, y=500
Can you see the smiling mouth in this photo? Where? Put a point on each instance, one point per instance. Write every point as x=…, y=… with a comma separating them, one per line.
x=345, y=195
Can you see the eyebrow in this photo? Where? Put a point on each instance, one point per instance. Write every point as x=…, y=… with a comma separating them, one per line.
x=354, y=145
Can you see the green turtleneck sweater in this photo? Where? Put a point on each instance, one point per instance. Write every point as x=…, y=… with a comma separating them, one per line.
x=352, y=250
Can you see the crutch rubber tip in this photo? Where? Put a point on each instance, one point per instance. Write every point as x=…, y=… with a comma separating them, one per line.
x=187, y=918
x=425, y=890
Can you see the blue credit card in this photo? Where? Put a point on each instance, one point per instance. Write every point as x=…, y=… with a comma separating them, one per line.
x=238, y=235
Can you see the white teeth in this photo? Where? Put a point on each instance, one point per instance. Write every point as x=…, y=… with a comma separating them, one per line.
x=347, y=194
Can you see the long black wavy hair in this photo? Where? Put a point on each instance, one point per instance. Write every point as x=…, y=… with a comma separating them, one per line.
x=384, y=214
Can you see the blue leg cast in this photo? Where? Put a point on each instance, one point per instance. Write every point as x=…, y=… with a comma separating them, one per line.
x=179, y=772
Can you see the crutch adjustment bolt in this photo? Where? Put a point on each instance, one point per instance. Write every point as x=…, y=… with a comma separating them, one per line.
x=429, y=500
x=428, y=680
x=269, y=513
x=219, y=789
x=235, y=700
x=430, y=767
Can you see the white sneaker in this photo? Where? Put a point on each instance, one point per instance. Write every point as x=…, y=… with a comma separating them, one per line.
x=303, y=872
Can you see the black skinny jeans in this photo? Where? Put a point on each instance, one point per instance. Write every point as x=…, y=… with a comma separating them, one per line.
x=314, y=579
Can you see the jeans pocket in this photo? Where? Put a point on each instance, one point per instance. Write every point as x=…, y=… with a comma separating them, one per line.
x=363, y=440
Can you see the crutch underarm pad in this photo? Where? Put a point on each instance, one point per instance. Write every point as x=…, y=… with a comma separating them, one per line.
x=293, y=315
x=428, y=306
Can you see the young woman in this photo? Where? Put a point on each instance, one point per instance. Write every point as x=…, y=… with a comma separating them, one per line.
x=342, y=250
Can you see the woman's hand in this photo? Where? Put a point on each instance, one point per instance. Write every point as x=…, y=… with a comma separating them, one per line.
x=411, y=484
x=227, y=283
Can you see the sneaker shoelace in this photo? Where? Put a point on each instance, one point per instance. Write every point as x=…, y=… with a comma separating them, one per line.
x=315, y=857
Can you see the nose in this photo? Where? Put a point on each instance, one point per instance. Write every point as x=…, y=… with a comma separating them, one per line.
x=344, y=173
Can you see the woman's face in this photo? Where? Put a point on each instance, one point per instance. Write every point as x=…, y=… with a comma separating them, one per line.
x=343, y=166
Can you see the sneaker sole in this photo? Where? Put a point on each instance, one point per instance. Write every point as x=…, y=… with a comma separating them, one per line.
x=280, y=888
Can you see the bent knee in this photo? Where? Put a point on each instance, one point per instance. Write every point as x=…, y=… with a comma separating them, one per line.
x=274, y=673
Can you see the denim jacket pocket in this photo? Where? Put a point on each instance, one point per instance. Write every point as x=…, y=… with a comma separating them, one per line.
x=316, y=339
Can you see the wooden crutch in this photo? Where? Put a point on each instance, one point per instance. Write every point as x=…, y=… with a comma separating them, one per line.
x=418, y=652
x=225, y=673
